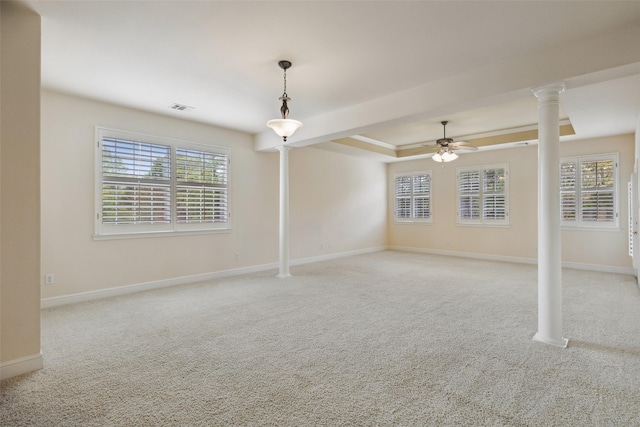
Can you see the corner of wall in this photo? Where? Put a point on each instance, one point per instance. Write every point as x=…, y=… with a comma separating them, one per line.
x=20, y=187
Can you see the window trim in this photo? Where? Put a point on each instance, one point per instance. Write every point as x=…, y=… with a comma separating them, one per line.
x=482, y=221
x=413, y=220
x=579, y=224
x=124, y=231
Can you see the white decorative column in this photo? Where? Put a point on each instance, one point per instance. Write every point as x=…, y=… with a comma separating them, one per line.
x=284, y=211
x=549, y=254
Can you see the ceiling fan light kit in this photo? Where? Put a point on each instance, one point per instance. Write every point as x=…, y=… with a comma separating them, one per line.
x=444, y=156
x=284, y=127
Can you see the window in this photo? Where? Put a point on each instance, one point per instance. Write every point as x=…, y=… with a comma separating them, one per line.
x=588, y=196
x=483, y=195
x=413, y=197
x=201, y=189
x=147, y=184
x=630, y=191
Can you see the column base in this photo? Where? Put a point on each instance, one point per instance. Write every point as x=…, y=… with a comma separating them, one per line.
x=562, y=342
x=283, y=276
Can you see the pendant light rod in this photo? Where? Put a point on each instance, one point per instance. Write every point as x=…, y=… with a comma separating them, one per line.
x=284, y=110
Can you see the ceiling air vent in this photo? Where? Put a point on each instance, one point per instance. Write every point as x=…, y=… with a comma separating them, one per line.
x=181, y=107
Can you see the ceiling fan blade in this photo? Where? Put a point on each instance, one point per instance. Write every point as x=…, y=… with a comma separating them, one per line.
x=464, y=148
x=459, y=143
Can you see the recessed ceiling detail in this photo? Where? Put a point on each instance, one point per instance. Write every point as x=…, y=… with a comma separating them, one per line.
x=506, y=139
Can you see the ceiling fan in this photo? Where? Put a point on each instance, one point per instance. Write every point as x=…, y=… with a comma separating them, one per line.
x=446, y=146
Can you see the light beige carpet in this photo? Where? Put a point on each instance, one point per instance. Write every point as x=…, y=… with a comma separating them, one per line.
x=388, y=338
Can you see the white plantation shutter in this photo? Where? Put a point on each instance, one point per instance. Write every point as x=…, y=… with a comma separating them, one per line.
x=149, y=184
x=136, y=182
x=482, y=195
x=135, y=203
x=568, y=200
x=597, y=191
x=630, y=214
x=494, y=198
x=198, y=204
x=403, y=197
x=201, y=189
x=413, y=197
x=469, y=195
x=422, y=196
x=588, y=191
x=493, y=207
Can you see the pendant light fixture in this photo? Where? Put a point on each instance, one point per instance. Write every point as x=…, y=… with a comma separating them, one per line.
x=284, y=127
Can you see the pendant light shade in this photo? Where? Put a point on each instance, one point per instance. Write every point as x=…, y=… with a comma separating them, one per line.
x=284, y=127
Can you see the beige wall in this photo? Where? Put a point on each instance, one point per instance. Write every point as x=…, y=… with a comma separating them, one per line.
x=519, y=240
x=323, y=206
x=20, y=190
x=337, y=203
x=603, y=247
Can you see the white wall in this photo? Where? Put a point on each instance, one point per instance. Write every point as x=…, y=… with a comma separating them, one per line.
x=323, y=186
x=519, y=240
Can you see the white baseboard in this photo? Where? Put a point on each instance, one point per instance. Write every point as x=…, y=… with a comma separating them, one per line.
x=328, y=257
x=20, y=366
x=146, y=286
x=629, y=271
x=139, y=287
x=534, y=261
x=486, y=257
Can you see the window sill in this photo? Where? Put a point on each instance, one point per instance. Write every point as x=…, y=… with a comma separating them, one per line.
x=462, y=224
x=582, y=228
x=146, y=235
x=412, y=222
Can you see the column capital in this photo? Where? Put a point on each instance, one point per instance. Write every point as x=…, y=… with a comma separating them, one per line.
x=282, y=148
x=550, y=89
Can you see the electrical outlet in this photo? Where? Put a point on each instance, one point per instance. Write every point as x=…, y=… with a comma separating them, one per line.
x=447, y=243
x=49, y=279
x=237, y=256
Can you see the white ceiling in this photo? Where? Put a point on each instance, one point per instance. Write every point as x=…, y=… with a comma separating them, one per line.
x=220, y=57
